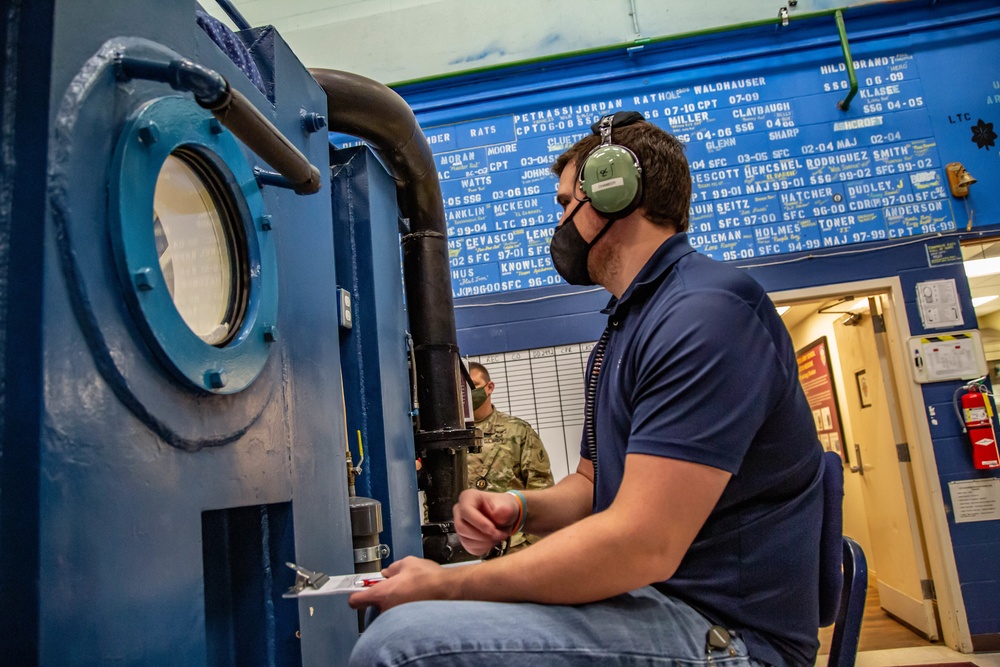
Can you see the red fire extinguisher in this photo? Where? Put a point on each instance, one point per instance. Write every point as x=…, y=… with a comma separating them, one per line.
x=977, y=419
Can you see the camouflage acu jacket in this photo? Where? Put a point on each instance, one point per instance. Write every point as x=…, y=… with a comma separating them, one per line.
x=513, y=457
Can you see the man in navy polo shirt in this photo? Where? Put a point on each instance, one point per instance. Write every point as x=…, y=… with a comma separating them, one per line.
x=690, y=530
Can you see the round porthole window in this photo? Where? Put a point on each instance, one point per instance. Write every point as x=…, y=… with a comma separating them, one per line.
x=193, y=245
x=200, y=246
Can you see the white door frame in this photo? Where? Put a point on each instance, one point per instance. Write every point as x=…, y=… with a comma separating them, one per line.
x=940, y=551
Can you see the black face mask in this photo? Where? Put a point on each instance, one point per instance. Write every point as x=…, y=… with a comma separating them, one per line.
x=570, y=252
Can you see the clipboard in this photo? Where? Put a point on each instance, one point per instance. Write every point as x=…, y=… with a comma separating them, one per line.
x=309, y=583
x=335, y=585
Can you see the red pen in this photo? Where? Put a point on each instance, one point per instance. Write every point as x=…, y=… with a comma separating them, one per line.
x=371, y=582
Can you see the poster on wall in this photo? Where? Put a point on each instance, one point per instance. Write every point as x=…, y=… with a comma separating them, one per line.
x=939, y=304
x=817, y=382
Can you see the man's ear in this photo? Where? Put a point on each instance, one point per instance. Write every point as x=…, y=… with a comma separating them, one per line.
x=490, y=387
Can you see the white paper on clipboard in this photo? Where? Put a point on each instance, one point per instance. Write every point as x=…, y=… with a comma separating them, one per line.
x=338, y=584
x=352, y=583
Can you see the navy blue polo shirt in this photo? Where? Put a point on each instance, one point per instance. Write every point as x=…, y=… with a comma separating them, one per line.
x=699, y=367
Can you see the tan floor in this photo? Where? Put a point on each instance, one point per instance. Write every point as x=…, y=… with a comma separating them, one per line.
x=878, y=630
x=885, y=642
x=922, y=655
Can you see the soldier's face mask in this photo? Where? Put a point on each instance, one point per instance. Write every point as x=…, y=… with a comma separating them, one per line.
x=478, y=397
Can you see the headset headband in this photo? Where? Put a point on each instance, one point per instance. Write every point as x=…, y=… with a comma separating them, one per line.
x=619, y=119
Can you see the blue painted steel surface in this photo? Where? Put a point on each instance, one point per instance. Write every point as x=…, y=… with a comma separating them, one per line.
x=143, y=521
x=807, y=196
x=180, y=122
x=374, y=349
x=26, y=56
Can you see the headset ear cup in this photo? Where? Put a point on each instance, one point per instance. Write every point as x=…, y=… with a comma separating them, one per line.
x=612, y=179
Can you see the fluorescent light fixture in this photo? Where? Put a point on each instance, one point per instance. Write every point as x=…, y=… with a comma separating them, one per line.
x=975, y=268
x=782, y=310
x=980, y=300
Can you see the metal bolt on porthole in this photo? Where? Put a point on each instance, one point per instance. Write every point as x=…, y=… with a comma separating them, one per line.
x=149, y=134
x=270, y=334
x=265, y=223
x=142, y=278
x=215, y=379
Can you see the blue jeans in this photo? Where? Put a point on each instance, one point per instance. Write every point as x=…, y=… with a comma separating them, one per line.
x=643, y=627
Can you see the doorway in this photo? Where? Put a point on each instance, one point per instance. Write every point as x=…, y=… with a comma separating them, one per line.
x=847, y=339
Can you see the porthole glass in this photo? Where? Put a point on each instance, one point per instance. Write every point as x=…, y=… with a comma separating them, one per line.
x=200, y=246
x=192, y=242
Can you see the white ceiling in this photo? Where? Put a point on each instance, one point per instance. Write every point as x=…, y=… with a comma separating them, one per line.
x=401, y=40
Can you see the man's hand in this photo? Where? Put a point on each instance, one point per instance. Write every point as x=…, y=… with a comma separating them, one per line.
x=483, y=519
x=407, y=580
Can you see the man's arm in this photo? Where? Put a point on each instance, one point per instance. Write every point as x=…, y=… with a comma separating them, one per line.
x=640, y=539
x=483, y=519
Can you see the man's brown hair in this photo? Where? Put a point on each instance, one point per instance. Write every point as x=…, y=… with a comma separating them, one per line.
x=666, y=179
x=476, y=366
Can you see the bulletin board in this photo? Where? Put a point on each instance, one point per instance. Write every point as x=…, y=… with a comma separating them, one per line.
x=777, y=167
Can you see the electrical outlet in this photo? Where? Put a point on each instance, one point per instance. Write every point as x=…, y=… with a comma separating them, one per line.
x=344, y=312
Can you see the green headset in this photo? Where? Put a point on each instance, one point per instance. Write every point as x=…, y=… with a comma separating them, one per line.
x=610, y=175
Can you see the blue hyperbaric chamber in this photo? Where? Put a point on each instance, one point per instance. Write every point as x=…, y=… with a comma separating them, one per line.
x=180, y=390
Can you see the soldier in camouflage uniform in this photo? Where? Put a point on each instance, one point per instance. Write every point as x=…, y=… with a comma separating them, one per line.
x=513, y=456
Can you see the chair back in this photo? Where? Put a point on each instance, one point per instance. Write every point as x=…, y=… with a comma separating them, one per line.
x=843, y=570
x=847, y=631
x=831, y=544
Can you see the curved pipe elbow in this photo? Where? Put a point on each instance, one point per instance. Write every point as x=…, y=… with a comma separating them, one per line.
x=371, y=111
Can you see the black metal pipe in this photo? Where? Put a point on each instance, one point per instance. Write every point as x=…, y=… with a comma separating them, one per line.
x=264, y=139
x=274, y=179
x=207, y=85
x=211, y=91
x=370, y=111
